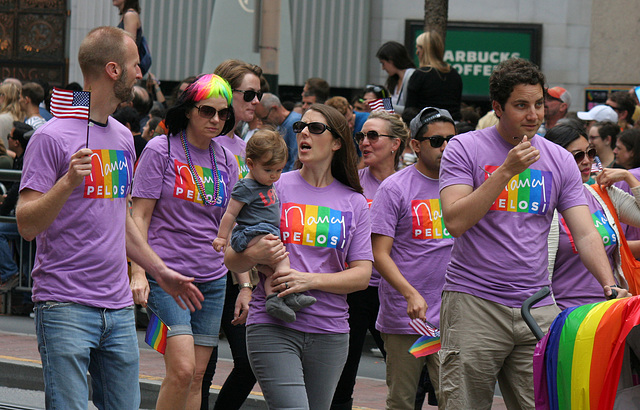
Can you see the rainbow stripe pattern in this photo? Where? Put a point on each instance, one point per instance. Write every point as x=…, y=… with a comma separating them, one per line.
x=111, y=173
x=425, y=346
x=427, y=219
x=313, y=225
x=185, y=185
x=529, y=191
x=156, y=335
x=577, y=364
x=243, y=168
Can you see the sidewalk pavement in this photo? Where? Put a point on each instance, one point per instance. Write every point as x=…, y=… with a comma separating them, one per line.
x=20, y=367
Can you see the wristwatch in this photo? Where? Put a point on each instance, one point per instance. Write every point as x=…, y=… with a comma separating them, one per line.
x=245, y=285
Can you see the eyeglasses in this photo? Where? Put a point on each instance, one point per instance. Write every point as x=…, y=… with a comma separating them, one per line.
x=314, y=127
x=249, y=95
x=372, y=136
x=376, y=89
x=436, y=141
x=208, y=112
x=616, y=109
x=579, y=155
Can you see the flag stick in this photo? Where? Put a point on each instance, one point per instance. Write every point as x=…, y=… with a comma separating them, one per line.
x=88, y=120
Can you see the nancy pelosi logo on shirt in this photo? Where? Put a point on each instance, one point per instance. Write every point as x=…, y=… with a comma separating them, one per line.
x=243, y=168
x=427, y=219
x=111, y=173
x=529, y=191
x=313, y=225
x=185, y=186
x=601, y=223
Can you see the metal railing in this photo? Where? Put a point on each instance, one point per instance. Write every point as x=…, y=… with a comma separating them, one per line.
x=25, y=249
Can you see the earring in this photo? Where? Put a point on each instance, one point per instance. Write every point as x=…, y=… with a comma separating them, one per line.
x=392, y=151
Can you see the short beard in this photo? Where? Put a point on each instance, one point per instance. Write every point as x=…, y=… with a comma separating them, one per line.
x=123, y=92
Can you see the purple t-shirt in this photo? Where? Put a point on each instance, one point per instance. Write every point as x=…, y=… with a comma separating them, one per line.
x=182, y=227
x=407, y=209
x=370, y=185
x=323, y=230
x=572, y=283
x=237, y=146
x=81, y=256
x=503, y=257
x=632, y=233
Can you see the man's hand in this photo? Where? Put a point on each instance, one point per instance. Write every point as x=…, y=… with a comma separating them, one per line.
x=622, y=293
x=521, y=157
x=79, y=167
x=184, y=292
x=139, y=288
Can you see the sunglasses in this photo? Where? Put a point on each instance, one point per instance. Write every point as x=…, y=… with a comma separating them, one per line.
x=249, y=95
x=314, y=127
x=436, y=141
x=372, y=136
x=579, y=155
x=208, y=112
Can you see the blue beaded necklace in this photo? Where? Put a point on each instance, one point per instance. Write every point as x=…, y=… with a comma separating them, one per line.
x=196, y=177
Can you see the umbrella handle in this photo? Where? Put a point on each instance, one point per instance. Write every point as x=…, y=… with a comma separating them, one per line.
x=526, y=311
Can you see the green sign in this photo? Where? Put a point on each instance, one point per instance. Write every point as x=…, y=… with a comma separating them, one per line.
x=474, y=49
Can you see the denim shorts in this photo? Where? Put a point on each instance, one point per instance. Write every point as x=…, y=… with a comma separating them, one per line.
x=203, y=324
x=243, y=234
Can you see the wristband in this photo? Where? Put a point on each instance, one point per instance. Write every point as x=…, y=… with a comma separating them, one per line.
x=245, y=285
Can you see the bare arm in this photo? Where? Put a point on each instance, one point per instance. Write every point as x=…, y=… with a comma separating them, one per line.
x=131, y=22
x=416, y=305
x=226, y=224
x=590, y=247
x=36, y=211
x=241, y=309
x=269, y=250
x=355, y=278
x=142, y=209
x=609, y=176
x=463, y=207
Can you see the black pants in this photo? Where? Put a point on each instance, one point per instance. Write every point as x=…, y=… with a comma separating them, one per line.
x=363, y=312
x=241, y=379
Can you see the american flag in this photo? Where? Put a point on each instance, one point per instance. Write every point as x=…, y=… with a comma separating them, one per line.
x=382, y=104
x=70, y=104
x=424, y=328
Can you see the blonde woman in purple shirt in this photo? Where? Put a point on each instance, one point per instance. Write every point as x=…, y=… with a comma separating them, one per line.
x=325, y=225
x=381, y=141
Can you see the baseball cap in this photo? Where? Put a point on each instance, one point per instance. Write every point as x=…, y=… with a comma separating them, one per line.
x=561, y=94
x=427, y=116
x=599, y=113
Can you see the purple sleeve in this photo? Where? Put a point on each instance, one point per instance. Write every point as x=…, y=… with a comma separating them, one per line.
x=43, y=163
x=149, y=175
x=385, y=210
x=360, y=248
x=456, y=167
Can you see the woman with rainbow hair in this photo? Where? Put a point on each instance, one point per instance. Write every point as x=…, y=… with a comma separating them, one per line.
x=182, y=185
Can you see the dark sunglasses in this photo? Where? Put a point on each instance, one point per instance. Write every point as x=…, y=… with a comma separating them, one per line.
x=372, y=136
x=436, y=141
x=208, y=112
x=249, y=95
x=579, y=155
x=314, y=127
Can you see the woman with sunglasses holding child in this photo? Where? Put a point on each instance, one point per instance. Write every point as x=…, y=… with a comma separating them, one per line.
x=572, y=284
x=381, y=141
x=325, y=227
x=182, y=185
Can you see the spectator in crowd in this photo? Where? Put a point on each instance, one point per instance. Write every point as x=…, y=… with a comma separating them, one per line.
x=627, y=150
x=382, y=141
x=130, y=21
x=152, y=124
x=624, y=105
x=494, y=344
x=142, y=103
x=308, y=99
x=9, y=273
x=10, y=109
x=373, y=92
x=358, y=103
x=603, y=136
x=31, y=97
x=270, y=111
x=154, y=90
x=397, y=63
x=599, y=113
x=436, y=83
x=46, y=103
x=572, y=283
x=557, y=102
x=318, y=87
x=130, y=118
x=298, y=364
x=178, y=208
x=83, y=305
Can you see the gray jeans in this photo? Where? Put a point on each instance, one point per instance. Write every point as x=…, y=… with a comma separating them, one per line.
x=296, y=370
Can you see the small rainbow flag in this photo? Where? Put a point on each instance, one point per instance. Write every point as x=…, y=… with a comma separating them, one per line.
x=156, y=336
x=577, y=364
x=429, y=342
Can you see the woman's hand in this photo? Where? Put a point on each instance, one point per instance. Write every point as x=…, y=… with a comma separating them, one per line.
x=610, y=176
x=292, y=281
x=242, y=307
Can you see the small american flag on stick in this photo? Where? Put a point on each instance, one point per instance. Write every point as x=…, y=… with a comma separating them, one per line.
x=70, y=104
x=382, y=104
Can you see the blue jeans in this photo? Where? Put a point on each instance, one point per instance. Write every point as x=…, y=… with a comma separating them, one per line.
x=8, y=267
x=296, y=370
x=74, y=339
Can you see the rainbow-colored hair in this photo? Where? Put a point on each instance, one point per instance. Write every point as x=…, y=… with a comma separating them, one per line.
x=208, y=86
